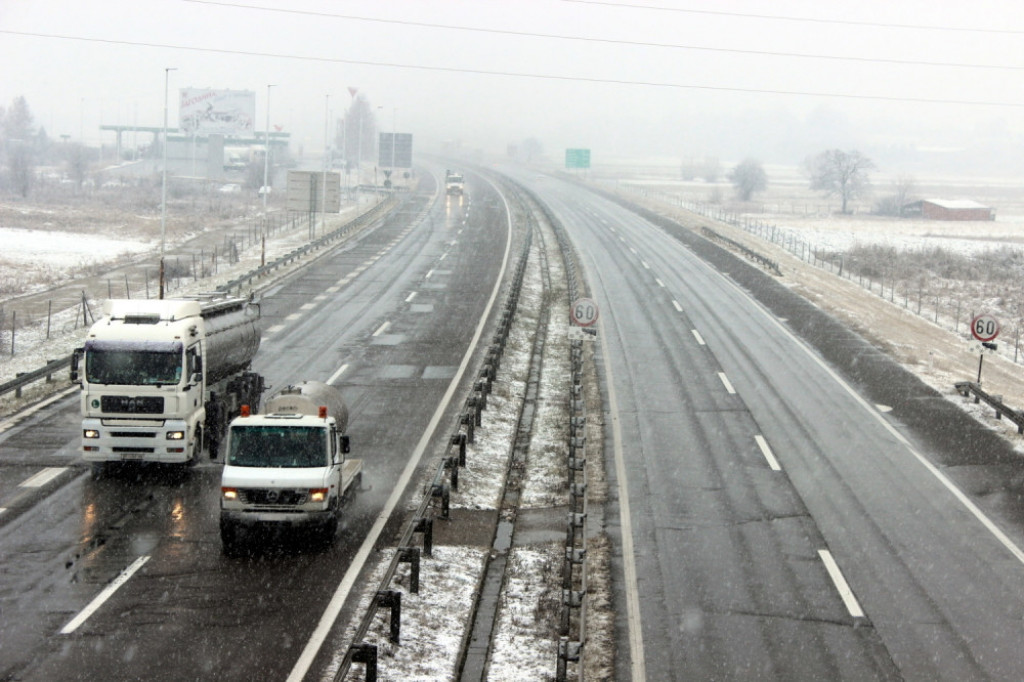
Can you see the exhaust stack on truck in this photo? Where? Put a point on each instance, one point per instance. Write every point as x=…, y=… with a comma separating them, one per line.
x=286, y=468
x=162, y=377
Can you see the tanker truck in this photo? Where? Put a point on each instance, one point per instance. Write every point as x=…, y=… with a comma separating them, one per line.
x=161, y=377
x=286, y=468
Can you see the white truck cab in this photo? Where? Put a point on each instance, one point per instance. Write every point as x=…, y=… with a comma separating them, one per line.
x=287, y=466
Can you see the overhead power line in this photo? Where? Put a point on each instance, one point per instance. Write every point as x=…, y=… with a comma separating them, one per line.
x=613, y=41
x=513, y=74
x=809, y=20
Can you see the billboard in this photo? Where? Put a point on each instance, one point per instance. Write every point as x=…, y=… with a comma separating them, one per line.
x=217, y=112
x=402, y=150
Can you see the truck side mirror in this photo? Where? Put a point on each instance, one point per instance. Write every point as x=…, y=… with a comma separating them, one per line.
x=76, y=358
x=345, y=447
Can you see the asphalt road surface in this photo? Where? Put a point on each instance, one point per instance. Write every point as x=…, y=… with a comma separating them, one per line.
x=388, y=320
x=793, y=505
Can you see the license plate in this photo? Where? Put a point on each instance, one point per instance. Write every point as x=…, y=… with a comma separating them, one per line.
x=131, y=456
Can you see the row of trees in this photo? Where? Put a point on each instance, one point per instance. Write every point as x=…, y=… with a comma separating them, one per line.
x=23, y=148
x=834, y=172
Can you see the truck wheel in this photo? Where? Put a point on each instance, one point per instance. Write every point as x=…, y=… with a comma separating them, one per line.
x=229, y=538
x=329, y=530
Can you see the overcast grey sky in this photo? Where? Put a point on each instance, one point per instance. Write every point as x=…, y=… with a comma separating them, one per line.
x=647, y=77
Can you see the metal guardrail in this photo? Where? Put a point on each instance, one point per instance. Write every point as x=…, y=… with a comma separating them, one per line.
x=26, y=378
x=748, y=252
x=967, y=388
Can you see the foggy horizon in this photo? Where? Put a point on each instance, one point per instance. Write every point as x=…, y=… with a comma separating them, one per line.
x=911, y=84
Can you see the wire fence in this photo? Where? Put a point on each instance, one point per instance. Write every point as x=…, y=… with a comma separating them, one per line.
x=950, y=304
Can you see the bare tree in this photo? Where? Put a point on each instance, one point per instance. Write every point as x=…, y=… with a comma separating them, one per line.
x=748, y=177
x=836, y=172
x=18, y=142
x=77, y=157
x=895, y=203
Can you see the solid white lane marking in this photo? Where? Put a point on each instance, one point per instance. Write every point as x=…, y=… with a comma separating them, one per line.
x=696, y=335
x=341, y=370
x=676, y=304
x=42, y=478
x=767, y=452
x=852, y=605
x=633, y=622
x=348, y=581
x=104, y=595
x=381, y=329
x=726, y=382
x=408, y=299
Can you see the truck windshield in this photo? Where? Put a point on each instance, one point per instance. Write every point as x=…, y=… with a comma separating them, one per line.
x=133, y=366
x=278, y=446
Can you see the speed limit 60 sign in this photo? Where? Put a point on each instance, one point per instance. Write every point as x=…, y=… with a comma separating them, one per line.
x=985, y=327
x=583, y=312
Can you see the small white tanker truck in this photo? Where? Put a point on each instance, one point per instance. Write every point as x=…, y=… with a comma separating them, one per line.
x=162, y=377
x=286, y=467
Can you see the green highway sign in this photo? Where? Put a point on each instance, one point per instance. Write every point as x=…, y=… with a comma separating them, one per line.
x=577, y=158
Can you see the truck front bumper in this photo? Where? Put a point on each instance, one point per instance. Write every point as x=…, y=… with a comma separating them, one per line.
x=301, y=518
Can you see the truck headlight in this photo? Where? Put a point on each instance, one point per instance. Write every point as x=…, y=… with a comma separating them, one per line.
x=229, y=494
x=91, y=433
x=317, y=494
x=175, y=435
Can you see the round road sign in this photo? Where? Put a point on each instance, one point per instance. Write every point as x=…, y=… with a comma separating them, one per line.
x=583, y=312
x=985, y=327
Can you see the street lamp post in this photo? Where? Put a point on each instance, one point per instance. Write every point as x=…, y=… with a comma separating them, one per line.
x=266, y=155
x=323, y=203
x=163, y=191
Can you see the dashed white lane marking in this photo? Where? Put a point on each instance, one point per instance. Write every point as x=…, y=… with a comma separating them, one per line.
x=341, y=370
x=696, y=335
x=767, y=452
x=307, y=306
x=676, y=304
x=726, y=382
x=408, y=299
x=103, y=596
x=293, y=316
x=660, y=283
x=42, y=478
x=273, y=330
x=381, y=329
x=852, y=605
